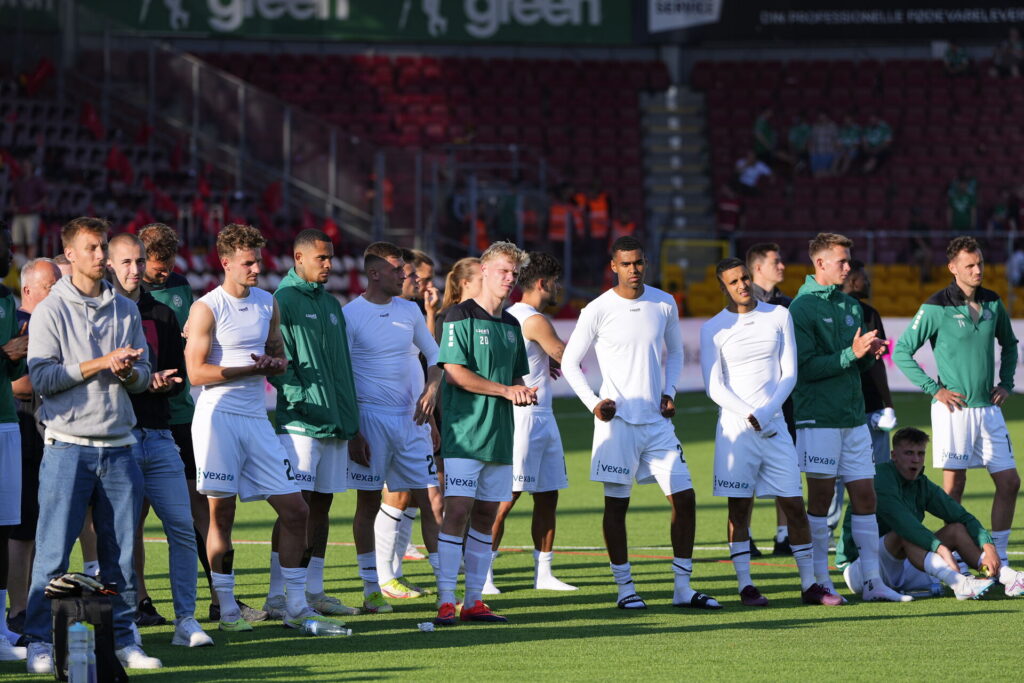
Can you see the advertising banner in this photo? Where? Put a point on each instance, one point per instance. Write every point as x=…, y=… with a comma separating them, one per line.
x=856, y=20
x=598, y=22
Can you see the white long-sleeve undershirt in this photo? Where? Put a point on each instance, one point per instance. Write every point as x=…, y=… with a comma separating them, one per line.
x=749, y=361
x=630, y=338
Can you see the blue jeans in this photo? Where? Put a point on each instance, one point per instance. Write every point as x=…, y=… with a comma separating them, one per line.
x=71, y=478
x=163, y=475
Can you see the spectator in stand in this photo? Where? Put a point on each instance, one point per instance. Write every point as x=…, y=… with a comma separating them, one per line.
x=823, y=145
x=798, y=137
x=1015, y=266
x=29, y=195
x=962, y=210
x=849, y=145
x=766, y=140
x=1001, y=221
x=749, y=171
x=1008, y=55
x=730, y=211
x=957, y=60
x=876, y=143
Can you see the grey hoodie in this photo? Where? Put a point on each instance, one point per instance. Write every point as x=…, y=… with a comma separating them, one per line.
x=68, y=328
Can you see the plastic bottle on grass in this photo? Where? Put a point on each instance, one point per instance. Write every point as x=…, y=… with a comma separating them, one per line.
x=312, y=627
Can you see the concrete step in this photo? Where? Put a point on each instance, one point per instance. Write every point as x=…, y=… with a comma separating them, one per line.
x=686, y=144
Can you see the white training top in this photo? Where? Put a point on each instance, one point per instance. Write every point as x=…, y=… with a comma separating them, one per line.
x=240, y=329
x=540, y=361
x=629, y=337
x=384, y=342
x=749, y=361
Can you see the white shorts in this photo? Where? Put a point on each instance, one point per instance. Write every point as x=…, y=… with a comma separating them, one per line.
x=538, y=461
x=10, y=482
x=828, y=452
x=319, y=465
x=648, y=453
x=899, y=574
x=486, y=481
x=969, y=438
x=748, y=464
x=239, y=454
x=401, y=453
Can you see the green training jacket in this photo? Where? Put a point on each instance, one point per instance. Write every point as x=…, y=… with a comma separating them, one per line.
x=316, y=396
x=964, y=350
x=828, y=391
x=177, y=294
x=9, y=370
x=901, y=508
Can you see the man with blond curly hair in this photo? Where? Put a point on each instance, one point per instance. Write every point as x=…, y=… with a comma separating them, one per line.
x=234, y=344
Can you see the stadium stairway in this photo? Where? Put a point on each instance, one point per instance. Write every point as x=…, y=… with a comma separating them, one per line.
x=676, y=154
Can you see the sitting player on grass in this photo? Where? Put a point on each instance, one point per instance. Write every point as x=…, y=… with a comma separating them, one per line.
x=911, y=556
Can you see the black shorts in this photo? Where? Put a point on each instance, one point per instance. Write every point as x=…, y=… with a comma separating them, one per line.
x=183, y=437
x=31, y=459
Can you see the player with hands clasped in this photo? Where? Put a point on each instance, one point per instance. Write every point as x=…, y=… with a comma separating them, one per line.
x=832, y=437
x=748, y=359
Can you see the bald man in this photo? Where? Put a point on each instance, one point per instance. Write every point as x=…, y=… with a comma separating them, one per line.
x=37, y=277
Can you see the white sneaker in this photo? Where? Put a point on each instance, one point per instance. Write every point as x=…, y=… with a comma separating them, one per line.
x=132, y=657
x=1015, y=588
x=413, y=553
x=489, y=587
x=875, y=590
x=188, y=633
x=972, y=588
x=11, y=653
x=39, y=658
x=853, y=578
x=550, y=583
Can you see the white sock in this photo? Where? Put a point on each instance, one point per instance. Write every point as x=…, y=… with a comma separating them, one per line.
x=435, y=562
x=449, y=555
x=623, y=574
x=781, y=533
x=936, y=567
x=403, y=537
x=1001, y=540
x=385, y=530
x=315, y=576
x=368, y=572
x=1006, y=575
x=682, y=567
x=295, y=590
x=91, y=568
x=820, y=536
x=804, y=557
x=865, y=535
x=478, y=561
x=542, y=564
x=739, y=553
x=224, y=585
x=276, y=580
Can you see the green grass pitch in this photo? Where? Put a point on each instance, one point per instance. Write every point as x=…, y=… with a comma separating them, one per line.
x=581, y=635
